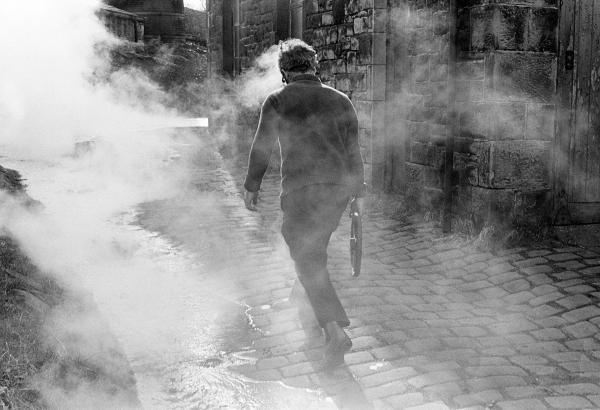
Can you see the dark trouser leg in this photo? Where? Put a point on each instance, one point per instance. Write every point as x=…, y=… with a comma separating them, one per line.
x=310, y=216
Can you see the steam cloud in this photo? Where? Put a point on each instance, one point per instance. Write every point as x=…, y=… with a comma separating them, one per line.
x=50, y=100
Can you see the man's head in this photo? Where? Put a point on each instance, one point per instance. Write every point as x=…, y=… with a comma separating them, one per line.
x=296, y=57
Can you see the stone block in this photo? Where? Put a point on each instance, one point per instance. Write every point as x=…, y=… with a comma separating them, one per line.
x=473, y=120
x=419, y=66
x=439, y=95
x=379, y=20
x=313, y=21
x=365, y=49
x=463, y=166
x=540, y=122
x=523, y=404
x=310, y=6
x=378, y=83
x=541, y=33
x=378, y=123
x=326, y=67
x=343, y=83
x=510, y=27
x=351, y=60
x=471, y=91
x=364, y=110
x=340, y=66
x=331, y=36
x=439, y=72
x=538, y=3
x=339, y=12
x=424, y=154
x=356, y=6
x=424, y=41
x=506, y=121
x=519, y=164
x=363, y=24
x=493, y=121
x=423, y=17
x=481, y=33
x=484, y=205
x=417, y=131
x=440, y=23
x=324, y=4
x=463, y=35
x=379, y=48
x=423, y=176
x=470, y=70
x=521, y=76
x=532, y=208
x=326, y=53
x=327, y=19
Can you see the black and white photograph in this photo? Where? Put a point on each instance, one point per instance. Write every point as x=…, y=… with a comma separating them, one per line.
x=300, y=204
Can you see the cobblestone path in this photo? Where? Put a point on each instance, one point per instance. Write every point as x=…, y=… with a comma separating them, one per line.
x=436, y=323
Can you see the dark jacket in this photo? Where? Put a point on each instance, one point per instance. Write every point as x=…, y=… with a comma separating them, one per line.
x=317, y=129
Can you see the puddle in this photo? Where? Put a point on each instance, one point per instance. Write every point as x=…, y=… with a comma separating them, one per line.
x=179, y=332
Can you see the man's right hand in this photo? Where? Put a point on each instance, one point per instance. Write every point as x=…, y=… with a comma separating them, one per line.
x=250, y=200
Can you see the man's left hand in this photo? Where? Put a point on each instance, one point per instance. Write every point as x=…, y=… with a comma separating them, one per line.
x=250, y=200
x=360, y=205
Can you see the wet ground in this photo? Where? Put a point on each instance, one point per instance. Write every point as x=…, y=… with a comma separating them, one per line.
x=436, y=322
x=200, y=303
x=171, y=300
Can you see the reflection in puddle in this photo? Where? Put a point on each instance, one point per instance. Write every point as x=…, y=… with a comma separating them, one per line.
x=210, y=334
x=180, y=335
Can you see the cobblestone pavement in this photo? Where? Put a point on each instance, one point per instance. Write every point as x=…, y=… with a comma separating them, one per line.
x=436, y=323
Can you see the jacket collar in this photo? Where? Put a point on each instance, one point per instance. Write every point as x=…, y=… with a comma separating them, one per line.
x=305, y=77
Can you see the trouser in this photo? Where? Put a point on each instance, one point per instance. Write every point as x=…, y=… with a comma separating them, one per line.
x=310, y=215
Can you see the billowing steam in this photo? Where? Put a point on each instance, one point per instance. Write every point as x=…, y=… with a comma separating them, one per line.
x=90, y=149
x=261, y=79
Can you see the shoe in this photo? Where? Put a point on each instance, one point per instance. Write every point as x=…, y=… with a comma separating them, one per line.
x=338, y=345
x=334, y=353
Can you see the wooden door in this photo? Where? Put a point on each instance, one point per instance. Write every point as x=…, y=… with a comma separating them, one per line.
x=577, y=156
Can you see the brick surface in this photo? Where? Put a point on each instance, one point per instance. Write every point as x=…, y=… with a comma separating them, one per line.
x=525, y=404
x=576, y=389
x=482, y=397
x=402, y=401
x=584, y=313
x=387, y=376
x=568, y=402
x=433, y=378
x=512, y=329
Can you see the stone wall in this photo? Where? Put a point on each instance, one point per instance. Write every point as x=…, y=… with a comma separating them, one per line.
x=506, y=79
x=163, y=19
x=122, y=24
x=349, y=36
x=215, y=36
x=392, y=58
x=255, y=33
x=418, y=96
x=258, y=29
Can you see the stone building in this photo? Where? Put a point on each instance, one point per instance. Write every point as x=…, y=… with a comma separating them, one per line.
x=504, y=94
x=164, y=20
x=121, y=23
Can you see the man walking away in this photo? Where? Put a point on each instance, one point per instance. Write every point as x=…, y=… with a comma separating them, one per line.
x=321, y=170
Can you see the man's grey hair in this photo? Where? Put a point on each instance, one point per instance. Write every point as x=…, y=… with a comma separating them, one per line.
x=296, y=56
